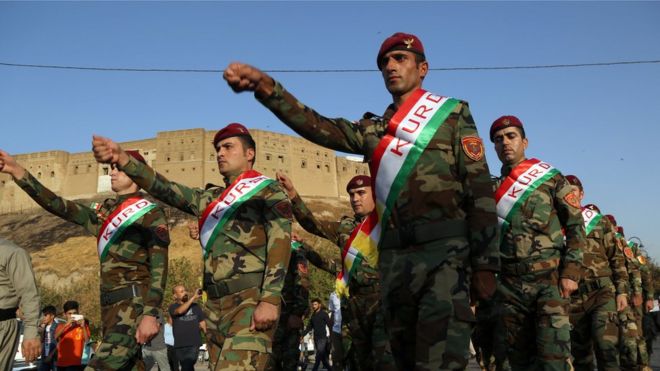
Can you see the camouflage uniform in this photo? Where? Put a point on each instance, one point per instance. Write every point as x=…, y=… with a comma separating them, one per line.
x=629, y=333
x=647, y=291
x=534, y=257
x=593, y=312
x=443, y=225
x=247, y=263
x=295, y=302
x=360, y=311
x=137, y=258
x=491, y=351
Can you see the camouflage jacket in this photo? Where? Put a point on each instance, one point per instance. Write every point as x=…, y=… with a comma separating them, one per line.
x=139, y=256
x=364, y=274
x=645, y=272
x=295, y=292
x=444, y=185
x=535, y=233
x=603, y=258
x=632, y=265
x=256, y=239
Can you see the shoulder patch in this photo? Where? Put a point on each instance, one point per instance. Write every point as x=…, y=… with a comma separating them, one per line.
x=473, y=147
x=628, y=253
x=283, y=209
x=163, y=233
x=572, y=200
x=641, y=259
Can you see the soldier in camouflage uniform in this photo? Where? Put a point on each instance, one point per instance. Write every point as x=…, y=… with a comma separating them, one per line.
x=133, y=267
x=245, y=230
x=594, y=308
x=441, y=238
x=539, y=271
x=360, y=311
x=648, y=292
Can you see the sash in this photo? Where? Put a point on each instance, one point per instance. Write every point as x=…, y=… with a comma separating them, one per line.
x=218, y=212
x=116, y=223
x=591, y=219
x=409, y=132
x=516, y=188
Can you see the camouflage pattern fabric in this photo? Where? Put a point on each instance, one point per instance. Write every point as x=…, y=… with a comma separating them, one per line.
x=534, y=257
x=256, y=239
x=141, y=251
x=647, y=293
x=593, y=312
x=630, y=336
x=487, y=339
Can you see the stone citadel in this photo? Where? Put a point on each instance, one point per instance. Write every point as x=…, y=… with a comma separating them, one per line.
x=188, y=157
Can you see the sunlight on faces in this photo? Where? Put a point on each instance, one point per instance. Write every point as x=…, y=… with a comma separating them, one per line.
x=362, y=200
x=120, y=182
x=232, y=156
x=401, y=72
x=510, y=145
x=180, y=293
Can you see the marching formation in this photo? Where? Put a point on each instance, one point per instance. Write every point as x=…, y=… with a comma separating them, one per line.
x=438, y=253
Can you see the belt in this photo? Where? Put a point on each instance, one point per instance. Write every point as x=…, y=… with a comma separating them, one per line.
x=9, y=313
x=115, y=296
x=405, y=236
x=593, y=285
x=224, y=288
x=521, y=268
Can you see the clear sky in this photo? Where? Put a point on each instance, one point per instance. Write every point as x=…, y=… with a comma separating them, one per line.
x=600, y=123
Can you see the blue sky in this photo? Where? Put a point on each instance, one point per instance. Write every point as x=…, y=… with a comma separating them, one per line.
x=600, y=123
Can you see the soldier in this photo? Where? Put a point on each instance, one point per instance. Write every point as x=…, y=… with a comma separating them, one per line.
x=647, y=289
x=245, y=233
x=435, y=225
x=360, y=309
x=133, y=238
x=539, y=273
x=594, y=307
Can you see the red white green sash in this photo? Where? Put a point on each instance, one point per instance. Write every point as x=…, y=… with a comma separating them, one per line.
x=409, y=132
x=121, y=218
x=591, y=219
x=218, y=212
x=516, y=188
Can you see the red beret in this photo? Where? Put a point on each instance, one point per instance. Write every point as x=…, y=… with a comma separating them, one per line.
x=231, y=130
x=610, y=217
x=136, y=155
x=573, y=180
x=505, y=122
x=592, y=207
x=359, y=181
x=620, y=230
x=400, y=41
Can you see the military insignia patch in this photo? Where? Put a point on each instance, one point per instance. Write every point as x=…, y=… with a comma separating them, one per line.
x=628, y=253
x=572, y=200
x=473, y=147
x=409, y=42
x=283, y=208
x=162, y=232
x=641, y=259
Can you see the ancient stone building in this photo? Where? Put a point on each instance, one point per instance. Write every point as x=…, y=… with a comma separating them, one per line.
x=187, y=157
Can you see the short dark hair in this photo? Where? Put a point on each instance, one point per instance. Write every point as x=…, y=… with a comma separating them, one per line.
x=49, y=309
x=419, y=58
x=316, y=300
x=71, y=304
x=248, y=143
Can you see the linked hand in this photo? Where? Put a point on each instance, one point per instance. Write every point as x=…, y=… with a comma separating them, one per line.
x=483, y=285
x=147, y=329
x=637, y=300
x=287, y=184
x=8, y=165
x=243, y=77
x=264, y=317
x=621, y=302
x=566, y=287
x=108, y=152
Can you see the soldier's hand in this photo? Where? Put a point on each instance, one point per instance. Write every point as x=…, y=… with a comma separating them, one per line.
x=264, y=317
x=243, y=77
x=147, y=329
x=649, y=305
x=621, y=302
x=193, y=230
x=108, y=152
x=8, y=165
x=31, y=349
x=566, y=287
x=637, y=300
x=483, y=285
x=287, y=184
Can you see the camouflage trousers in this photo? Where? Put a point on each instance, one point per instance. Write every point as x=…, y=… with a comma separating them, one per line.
x=535, y=321
x=425, y=304
x=487, y=338
x=231, y=344
x=360, y=312
x=633, y=350
x=119, y=349
x=595, y=329
x=286, y=347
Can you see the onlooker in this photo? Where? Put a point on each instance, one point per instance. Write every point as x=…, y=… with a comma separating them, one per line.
x=320, y=323
x=47, y=329
x=187, y=320
x=71, y=337
x=17, y=288
x=169, y=341
x=155, y=351
x=334, y=306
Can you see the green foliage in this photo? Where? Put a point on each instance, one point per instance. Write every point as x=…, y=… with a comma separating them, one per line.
x=321, y=284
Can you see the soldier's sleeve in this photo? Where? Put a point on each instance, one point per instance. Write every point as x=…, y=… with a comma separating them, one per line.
x=184, y=198
x=335, y=133
x=571, y=219
x=302, y=284
x=277, y=216
x=308, y=221
x=157, y=249
x=479, y=201
x=56, y=205
x=19, y=269
x=320, y=261
x=616, y=258
x=647, y=281
x=633, y=269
